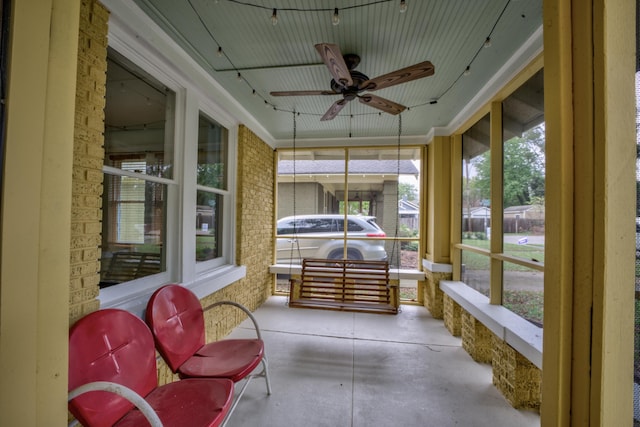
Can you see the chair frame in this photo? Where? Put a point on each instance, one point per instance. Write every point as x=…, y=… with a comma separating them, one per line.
x=263, y=373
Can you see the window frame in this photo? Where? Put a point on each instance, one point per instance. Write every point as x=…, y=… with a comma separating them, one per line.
x=495, y=254
x=203, y=278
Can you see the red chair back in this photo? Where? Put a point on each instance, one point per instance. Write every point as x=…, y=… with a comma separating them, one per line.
x=109, y=345
x=175, y=316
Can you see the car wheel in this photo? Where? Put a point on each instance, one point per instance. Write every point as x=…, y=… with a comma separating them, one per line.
x=351, y=254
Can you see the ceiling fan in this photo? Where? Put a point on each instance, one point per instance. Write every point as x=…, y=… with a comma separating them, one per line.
x=350, y=83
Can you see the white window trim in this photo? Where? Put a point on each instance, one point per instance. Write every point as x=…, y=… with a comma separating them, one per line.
x=134, y=35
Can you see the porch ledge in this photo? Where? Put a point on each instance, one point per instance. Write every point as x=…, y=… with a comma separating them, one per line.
x=523, y=336
x=394, y=273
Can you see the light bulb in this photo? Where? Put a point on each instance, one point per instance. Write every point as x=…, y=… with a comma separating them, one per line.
x=487, y=42
x=274, y=17
x=467, y=70
x=219, y=50
x=335, y=20
x=239, y=76
x=403, y=6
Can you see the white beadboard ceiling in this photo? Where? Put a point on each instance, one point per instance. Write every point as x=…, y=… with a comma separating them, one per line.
x=282, y=57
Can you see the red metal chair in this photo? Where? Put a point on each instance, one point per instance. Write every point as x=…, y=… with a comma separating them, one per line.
x=176, y=319
x=112, y=368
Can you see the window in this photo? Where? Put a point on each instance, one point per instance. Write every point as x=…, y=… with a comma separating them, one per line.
x=476, y=205
x=168, y=203
x=503, y=210
x=138, y=164
x=212, y=188
x=523, y=171
x=375, y=189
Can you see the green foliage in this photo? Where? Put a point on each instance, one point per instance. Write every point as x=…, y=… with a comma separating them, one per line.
x=523, y=170
x=407, y=190
x=211, y=175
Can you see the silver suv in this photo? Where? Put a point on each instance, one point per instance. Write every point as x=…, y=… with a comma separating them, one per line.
x=321, y=236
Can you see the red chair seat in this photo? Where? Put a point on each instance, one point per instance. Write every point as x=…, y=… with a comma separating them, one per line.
x=233, y=359
x=186, y=403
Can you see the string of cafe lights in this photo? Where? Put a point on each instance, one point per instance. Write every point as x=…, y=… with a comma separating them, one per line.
x=335, y=20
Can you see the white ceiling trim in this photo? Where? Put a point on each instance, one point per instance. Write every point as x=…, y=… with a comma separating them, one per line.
x=129, y=25
x=518, y=61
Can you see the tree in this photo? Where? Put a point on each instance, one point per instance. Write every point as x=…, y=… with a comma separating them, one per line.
x=523, y=169
x=407, y=190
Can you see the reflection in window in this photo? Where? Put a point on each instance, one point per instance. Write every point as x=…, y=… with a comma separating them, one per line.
x=208, y=225
x=138, y=154
x=212, y=185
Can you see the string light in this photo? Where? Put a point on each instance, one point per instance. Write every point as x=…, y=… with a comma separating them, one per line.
x=336, y=17
x=335, y=20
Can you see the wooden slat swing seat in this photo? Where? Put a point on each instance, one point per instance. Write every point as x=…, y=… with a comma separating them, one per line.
x=349, y=285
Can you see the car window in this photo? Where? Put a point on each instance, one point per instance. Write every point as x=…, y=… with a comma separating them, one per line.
x=374, y=224
x=354, y=226
x=320, y=225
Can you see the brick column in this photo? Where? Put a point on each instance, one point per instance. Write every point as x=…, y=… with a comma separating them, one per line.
x=88, y=157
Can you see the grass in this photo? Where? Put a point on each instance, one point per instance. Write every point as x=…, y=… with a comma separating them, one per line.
x=527, y=304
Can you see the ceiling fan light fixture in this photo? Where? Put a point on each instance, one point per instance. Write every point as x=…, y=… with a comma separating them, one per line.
x=274, y=17
x=403, y=6
x=335, y=20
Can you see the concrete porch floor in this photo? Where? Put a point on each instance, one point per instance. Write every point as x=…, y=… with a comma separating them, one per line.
x=334, y=369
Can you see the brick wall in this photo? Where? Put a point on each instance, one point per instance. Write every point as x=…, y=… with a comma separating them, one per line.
x=88, y=155
x=254, y=233
x=433, y=296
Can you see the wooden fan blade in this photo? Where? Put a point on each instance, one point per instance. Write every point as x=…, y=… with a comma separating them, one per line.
x=413, y=72
x=333, y=111
x=303, y=93
x=333, y=59
x=382, y=104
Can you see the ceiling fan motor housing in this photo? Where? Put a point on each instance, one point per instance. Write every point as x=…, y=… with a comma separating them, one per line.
x=358, y=79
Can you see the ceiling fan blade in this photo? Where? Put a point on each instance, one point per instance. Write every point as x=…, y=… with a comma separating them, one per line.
x=333, y=59
x=382, y=104
x=413, y=72
x=303, y=93
x=333, y=111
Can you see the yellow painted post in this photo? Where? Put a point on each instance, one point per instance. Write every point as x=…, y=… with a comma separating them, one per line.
x=36, y=215
x=495, y=293
x=589, y=263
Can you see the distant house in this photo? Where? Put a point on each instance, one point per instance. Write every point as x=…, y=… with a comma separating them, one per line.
x=409, y=214
x=525, y=212
x=477, y=212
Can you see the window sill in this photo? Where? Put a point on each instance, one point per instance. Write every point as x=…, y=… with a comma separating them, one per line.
x=133, y=297
x=523, y=336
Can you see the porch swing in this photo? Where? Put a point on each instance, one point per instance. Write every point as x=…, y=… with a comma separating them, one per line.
x=345, y=284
